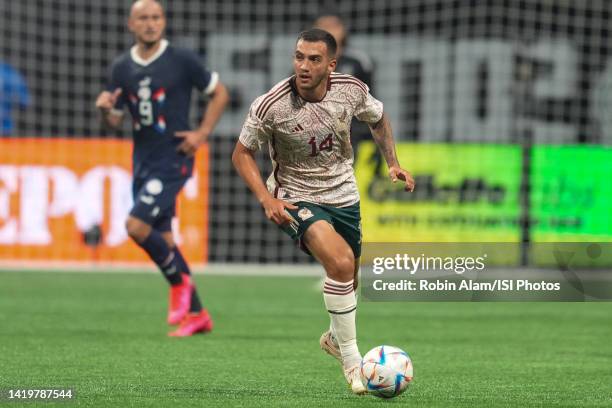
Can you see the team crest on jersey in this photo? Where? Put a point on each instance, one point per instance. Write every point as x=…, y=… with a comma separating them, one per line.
x=146, y=81
x=144, y=90
x=304, y=214
x=144, y=94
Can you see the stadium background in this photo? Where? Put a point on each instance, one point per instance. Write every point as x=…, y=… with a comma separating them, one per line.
x=502, y=108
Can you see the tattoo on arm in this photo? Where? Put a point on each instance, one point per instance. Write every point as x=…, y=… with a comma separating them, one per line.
x=383, y=136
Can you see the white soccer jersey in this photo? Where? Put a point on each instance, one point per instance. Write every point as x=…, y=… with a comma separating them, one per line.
x=309, y=142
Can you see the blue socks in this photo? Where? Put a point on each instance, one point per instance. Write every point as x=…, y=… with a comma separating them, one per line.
x=171, y=263
x=157, y=249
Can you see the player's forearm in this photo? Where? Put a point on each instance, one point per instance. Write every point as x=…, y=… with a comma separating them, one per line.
x=247, y=168
x=383, y=136
x=214, y=109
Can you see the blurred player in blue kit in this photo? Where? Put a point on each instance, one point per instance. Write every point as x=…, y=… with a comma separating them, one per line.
x=154, y=80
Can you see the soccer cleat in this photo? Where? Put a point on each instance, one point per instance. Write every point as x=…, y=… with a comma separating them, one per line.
x=179, y=300
x=330, y=345
x=194, y=323
x=353, y=377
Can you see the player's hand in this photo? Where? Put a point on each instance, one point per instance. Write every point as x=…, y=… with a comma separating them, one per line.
x=397, y=173
x=106, y=100
x=275, y=210
x=192, y=139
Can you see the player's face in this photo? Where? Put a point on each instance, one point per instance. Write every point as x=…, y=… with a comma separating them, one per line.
x=147, y=22
x=312, y=64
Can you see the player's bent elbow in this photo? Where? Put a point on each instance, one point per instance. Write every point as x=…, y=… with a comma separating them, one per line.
x=237, y=155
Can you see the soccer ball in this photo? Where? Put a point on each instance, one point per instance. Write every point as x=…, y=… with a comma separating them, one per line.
x=386, y=371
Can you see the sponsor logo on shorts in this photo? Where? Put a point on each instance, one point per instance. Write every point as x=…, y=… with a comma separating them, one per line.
x=304, y=214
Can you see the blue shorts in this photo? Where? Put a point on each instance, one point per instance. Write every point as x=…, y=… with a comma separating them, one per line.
x=155, y=200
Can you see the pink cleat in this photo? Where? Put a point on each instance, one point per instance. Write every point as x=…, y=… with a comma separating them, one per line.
x=194, y=323
x=180, y=300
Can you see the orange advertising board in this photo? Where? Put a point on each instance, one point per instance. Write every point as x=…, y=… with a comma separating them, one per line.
x=52, y=191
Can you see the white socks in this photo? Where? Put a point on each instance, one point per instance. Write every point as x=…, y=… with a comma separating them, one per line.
x=341, y=304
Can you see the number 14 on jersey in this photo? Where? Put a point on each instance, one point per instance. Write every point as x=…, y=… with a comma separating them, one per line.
x=326, y=144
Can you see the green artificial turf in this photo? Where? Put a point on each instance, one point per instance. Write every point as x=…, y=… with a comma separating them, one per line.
x=105, y=336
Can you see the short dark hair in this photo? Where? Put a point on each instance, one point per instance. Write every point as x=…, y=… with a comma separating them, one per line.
x=316, y=35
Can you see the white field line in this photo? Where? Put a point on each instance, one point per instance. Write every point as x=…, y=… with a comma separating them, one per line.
x=228, y=269
x=251, y=269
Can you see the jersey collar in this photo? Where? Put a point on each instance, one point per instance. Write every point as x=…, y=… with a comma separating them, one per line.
x=295, y=92
x=144, y=62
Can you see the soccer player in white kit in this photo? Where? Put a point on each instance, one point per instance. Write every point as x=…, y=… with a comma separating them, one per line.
x=312, y=193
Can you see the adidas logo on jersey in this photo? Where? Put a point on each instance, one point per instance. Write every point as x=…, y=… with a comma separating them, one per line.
x=298, y=128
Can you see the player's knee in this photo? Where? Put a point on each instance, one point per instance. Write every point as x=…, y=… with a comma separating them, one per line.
x=342, y=267
x=136, y=229
x=167, y=236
